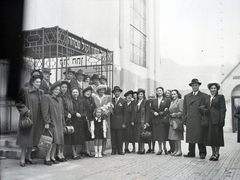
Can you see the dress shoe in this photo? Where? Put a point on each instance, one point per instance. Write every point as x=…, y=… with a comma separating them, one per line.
x=166, y=152
x=48, y=163
x=159, y=153
x=178, y=155
x=188, y=155
x=104, y=153
x=29, y=161
x=173, y=153
x=212, y=157
x=113, y=153
x=88, y=154
x=22, y=164
x=54, y=161
x=59, y=159
x=127, y=151
x=120, y=153
x=170, y=152
x=64, y=159
x=149, y=151
x=75, y=157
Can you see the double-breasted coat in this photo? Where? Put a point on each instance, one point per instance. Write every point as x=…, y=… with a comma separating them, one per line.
x=192, y=117
x=53, y=114
x=215, y=110
x=105, y=100
x=160, y=129
x=29, y=99
x=139, y=119
x=117, y=118
x=128, y=131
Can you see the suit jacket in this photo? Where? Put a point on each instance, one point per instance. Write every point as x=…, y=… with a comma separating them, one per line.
x=128, y=111
x=216, y=110
x=142, y=119
x=45, y=87
x=117, y=118
x=192, y=117
x=164, y=108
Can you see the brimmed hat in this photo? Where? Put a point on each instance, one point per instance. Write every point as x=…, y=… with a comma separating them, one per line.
x=141, y=90
x=86, y=76
x=211, y=84
x=34, y=71
x=135, y=92
x=101, y=86
x=95, y=76
x=67, y=83
x=33, y=78
x=79, y=72
x=74, y=87
x=56, y=84
x=86, y=89
x=69, y=70
x=116, y=88
x=47, y=70
x=127, y=93
x=103, y=77
x=194, y=81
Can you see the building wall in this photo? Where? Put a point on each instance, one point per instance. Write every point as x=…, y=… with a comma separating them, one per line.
x=227, y=88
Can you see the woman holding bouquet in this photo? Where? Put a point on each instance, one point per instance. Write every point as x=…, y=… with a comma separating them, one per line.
x=104, y=101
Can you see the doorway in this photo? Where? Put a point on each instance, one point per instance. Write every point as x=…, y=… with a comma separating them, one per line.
x=235, y=105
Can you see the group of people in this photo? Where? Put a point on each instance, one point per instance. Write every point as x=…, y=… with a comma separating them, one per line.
x=86, y=104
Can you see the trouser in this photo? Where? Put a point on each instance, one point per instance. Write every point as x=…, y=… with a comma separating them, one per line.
x=117, y=139
x=201, y=147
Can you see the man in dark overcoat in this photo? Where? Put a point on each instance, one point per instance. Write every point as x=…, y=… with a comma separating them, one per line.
x=117, y=122
x=46, y=84
x=192, y=119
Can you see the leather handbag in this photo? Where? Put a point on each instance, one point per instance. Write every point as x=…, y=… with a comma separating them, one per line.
x=46, y=140
x=68, y=130
x=25, y=122
x=146, y=134
x=177, y=125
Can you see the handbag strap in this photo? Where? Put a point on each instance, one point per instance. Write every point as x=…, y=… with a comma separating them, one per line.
x=48, y=131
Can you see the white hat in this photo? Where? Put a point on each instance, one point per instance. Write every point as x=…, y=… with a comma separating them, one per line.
x=101, y=86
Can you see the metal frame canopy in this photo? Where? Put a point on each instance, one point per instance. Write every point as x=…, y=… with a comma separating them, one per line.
x=57, y=49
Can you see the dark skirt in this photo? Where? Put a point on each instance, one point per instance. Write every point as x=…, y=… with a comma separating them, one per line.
x=77, y=138
x=213, y=135
x=128, y=133
x=98, y=131
x=137, y=129
x=67, y=139
x=160, y=132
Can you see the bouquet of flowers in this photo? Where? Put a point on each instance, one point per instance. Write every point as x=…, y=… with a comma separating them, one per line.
x=107, y=109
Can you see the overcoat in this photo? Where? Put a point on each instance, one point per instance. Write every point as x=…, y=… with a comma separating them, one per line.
x=160, y=130
x=29, y=99
x=237, y=115
x=53, y=114
x=117, y=118
x=149, y=115
x=45, y=87
x=128, y=131
x=216, y=112
x=192, y=117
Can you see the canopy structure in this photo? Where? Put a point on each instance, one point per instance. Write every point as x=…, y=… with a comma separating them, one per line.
x=57, y=49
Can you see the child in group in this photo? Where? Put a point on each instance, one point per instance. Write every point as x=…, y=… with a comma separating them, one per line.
x=98, y=131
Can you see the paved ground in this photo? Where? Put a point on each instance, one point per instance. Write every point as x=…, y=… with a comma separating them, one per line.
x=133, y=166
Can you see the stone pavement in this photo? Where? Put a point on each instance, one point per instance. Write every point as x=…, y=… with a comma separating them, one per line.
x=133, y=166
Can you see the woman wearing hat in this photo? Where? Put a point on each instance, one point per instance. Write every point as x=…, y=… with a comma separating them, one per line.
x=128, y=111
x=138, y=119
x=214, y=108
x=68, y=111
x=90, y=107
x=35, y=72
x=53, y=116
x=28, y=105
x=100, y=100
x=78, y=118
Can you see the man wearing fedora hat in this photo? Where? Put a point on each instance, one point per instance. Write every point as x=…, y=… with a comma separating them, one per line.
x=117, y=122
x=103, y=80
x=95, y=82
x=46, y=84
x=70, y=77
x=192, y=119
x=80, y=77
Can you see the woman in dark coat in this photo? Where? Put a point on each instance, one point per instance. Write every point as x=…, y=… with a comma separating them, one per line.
x=53, y=116
x=237, y=115
x=138, y=120
x=78, y=118
x=89, y=105
x=159, y=109
x=68, y=111
x=28, y=105
x=214, y=108
x=128, y=111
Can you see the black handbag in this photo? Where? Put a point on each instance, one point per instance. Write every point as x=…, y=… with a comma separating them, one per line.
x=177, y=125
x=146, y=134
x=204, y=121
x=25, y=122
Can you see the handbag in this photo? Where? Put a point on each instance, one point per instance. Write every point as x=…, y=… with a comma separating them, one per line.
x=25, y=122
x=68, y=130
x=165, y=120
x=177, y=125
x=146, y=134
x=204, y=121
x=46, y=140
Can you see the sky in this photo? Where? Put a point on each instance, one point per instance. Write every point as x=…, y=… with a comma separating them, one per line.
x=200, y=32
